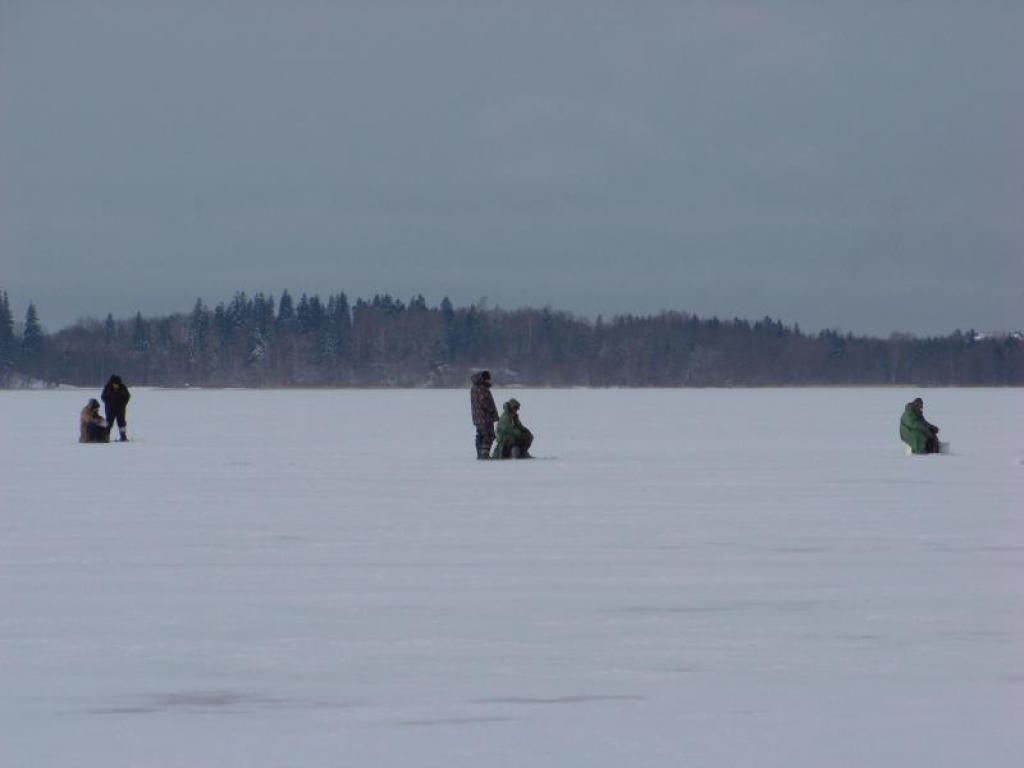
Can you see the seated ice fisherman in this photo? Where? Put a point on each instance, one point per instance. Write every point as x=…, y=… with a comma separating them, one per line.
x=92, y=427
x=514, y=440
x=915, y=430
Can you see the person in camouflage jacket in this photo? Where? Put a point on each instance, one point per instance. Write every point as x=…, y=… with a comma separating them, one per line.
x=915, y=430
x=484, y=412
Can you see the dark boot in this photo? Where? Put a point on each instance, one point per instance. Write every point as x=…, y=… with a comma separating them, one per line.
x=124, y=436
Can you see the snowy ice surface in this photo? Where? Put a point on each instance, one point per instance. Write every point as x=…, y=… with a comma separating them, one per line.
x=682, y=578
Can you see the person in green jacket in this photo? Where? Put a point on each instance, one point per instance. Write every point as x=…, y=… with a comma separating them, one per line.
x=514, y=440
x=915, y=430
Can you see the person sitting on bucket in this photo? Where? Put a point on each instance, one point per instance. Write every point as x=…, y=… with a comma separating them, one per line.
x=92, y=427
x=915, y=430
x=514, y=440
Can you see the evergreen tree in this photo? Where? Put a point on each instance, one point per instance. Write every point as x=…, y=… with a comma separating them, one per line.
x=261, y=325
x=198, y=331
x=451, y=336
x=302, y=314
x=285, y=309
x=343, y=326
x=315, y=320
x=262, y=314
x=447, y=311
x=7, y=343
x=222, y=323
x=240, y=311
x=32, y=337
x=140, y=335
x=337, y=331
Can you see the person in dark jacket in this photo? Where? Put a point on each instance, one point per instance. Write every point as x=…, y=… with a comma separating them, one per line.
x=115, y=399
x=484, y=412
x=514, y=440
x=915, y=431
x=92, y=427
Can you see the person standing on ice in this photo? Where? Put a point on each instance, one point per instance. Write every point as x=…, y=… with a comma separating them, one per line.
x=115, y=399
x=484, y=412
x=514, y=440
x=915, y=431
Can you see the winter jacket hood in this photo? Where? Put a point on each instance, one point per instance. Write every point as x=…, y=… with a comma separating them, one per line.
x=509, y=425
x=915, y=430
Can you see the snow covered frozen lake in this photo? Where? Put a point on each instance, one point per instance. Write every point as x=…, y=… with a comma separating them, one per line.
x=682, y=578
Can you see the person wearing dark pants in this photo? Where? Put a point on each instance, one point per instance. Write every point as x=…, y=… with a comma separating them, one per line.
x=115, y=399
x=484, y=412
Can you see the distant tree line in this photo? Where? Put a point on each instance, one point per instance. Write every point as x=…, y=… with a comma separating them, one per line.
x=260, y=341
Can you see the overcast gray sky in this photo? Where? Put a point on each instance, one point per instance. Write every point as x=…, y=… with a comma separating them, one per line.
x=857, y=165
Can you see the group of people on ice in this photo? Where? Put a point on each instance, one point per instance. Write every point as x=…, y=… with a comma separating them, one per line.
x=510, y=438
x=95, y=428
x=513, y=439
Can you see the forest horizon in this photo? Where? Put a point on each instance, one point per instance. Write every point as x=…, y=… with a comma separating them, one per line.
x=267, y=341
